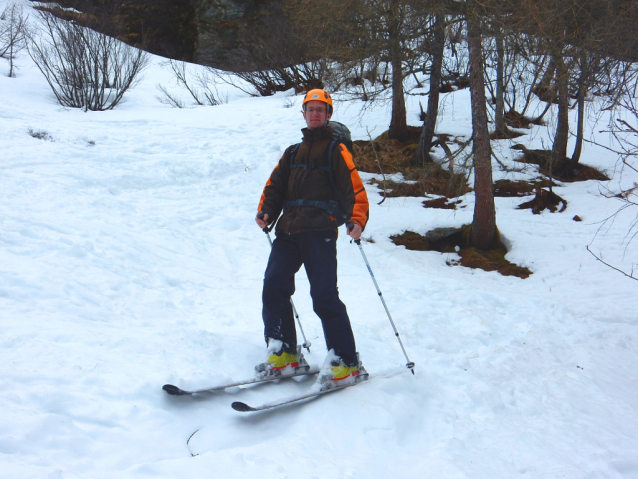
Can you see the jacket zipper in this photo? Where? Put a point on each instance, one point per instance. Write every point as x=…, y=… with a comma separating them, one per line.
x=312, y=140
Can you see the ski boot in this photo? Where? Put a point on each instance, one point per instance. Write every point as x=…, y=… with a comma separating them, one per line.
x=282, y=364
x=339, y=374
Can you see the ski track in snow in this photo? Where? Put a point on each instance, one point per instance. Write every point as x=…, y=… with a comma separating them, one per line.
x=129, y=259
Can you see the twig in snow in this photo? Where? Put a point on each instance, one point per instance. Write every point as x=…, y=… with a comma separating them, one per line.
x=189, y=440
x=631, y=276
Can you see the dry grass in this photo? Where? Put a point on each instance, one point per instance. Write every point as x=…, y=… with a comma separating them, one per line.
x=509, y=188
x=450, y=240
x=515, y=120
x=544, y=199
x=412, y=241
x=394, y=156
x=586, y=173
x=442, y=203
x=391, y=156
x=560, y=170
x=493, y=260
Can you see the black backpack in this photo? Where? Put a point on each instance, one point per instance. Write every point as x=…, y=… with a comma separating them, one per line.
x=341, y=134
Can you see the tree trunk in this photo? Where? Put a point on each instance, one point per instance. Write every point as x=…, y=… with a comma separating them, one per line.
x=546, y=80
x=559, y=150
x=398, y=123
x=484, y=234
x=500, y=126
x=425, y=141
x=582, y=92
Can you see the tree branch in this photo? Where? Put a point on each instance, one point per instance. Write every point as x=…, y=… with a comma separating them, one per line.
x=631, y=276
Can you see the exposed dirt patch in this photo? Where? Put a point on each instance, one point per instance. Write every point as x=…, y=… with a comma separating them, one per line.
x=583, y=173
x=506, y=134
x=534, y=157
x=412, y=241
x=443, y=240
x=544, y=199
x=561, y=170
x=396, y=157
x=443, y=203
x=428, y=180
x=509, y=188
x=454, y=83
x=493, y=260
x=515, y=120
x=455, y=240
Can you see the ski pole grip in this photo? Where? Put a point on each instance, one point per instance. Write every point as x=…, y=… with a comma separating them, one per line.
x=349, y=227
x=260, y=216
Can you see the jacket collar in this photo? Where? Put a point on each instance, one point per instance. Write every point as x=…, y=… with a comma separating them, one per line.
x=317, y=133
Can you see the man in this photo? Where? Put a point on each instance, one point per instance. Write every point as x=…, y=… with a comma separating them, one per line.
x=315, y=197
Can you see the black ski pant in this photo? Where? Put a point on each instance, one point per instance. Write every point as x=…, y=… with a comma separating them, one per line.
x=317, y=251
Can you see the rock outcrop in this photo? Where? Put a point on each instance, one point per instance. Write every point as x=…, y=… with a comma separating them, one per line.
x=207, y=32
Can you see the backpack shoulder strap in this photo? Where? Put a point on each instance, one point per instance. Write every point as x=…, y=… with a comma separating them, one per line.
x=330, y=152
x=293, y=153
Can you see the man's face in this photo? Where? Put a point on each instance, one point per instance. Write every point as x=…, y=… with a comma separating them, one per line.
x=316, y=114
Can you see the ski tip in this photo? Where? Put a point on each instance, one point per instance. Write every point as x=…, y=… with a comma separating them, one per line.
x=173, y=390
x=241, y=407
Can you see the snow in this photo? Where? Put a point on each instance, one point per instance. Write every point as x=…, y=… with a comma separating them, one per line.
x=129, y=258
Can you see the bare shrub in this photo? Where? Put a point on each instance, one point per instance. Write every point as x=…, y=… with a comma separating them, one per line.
x=301, y=78
x=169, y=98
x=13, y=34
x=201, y=86
x=84, y=68
x=39, y=134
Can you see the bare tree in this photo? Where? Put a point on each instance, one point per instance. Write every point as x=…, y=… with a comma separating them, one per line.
x=13, y=34
x=484, y=232
x=624, y=128
x=559, y=148
x=602, y=76
x=427, y=134
x=376, y=41
x=84, y=68
x=397, y=31
x=395, y=14
x=585, y=42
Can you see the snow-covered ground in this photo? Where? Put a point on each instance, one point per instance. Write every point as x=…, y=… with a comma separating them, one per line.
x=129, y=258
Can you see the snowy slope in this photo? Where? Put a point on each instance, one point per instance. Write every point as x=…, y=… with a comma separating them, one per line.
x=129, y=258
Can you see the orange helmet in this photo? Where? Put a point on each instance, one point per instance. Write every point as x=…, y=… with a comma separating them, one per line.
x=319, y=95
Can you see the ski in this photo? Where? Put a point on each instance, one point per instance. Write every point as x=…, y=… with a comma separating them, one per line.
x=302, y=371
x=243, y=407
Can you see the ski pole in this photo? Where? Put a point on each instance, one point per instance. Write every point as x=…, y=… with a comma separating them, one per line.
x=306, y=344
x=409, y=364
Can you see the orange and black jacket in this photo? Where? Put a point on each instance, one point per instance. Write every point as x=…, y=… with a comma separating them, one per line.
x=290, y=184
